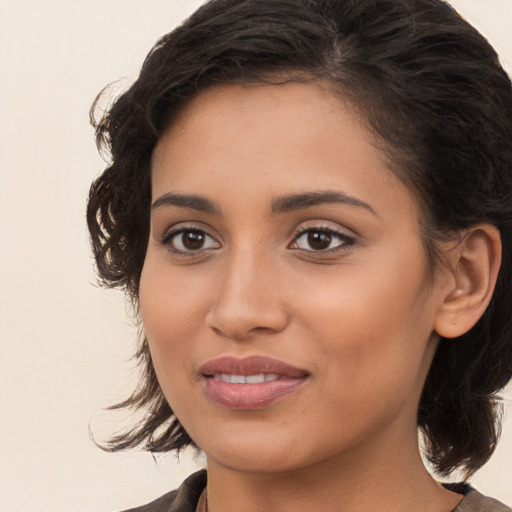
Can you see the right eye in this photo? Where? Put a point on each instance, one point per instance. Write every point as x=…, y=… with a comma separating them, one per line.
x=189, y=240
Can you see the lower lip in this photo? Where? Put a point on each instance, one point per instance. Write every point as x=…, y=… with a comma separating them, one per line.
x=251, y=396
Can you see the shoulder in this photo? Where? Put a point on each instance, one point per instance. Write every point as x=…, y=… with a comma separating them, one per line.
x=474, y=501
x=183, y=499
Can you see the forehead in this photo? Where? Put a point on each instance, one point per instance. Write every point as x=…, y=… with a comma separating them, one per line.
x=270, y=139
x=291, y=114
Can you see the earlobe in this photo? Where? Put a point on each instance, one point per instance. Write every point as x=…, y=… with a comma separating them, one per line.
x=474, y=266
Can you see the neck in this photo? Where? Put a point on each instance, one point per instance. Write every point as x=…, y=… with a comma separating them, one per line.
x=360, y=481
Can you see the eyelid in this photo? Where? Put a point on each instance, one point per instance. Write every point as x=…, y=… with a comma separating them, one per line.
x=347, y=240
x=180, y=226
x=184, y=227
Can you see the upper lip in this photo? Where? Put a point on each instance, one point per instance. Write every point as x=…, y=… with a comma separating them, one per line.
x=253, y=365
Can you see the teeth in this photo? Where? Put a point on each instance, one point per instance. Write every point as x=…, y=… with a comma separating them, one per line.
x=245, y=379
x=255, y=379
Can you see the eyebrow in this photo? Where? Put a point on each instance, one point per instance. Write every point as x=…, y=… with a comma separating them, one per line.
x=283, y=204
x=193, y=202
x=295, y=202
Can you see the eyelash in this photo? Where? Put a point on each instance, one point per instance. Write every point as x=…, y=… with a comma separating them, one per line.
x=172, y=234
x=345, y=241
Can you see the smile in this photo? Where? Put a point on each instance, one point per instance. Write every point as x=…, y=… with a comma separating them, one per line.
x=251, y=383
x=245, y=379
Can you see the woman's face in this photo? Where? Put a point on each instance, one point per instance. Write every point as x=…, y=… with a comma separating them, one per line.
x=285, y=293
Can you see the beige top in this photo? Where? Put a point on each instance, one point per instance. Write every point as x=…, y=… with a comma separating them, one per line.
x=476, y=502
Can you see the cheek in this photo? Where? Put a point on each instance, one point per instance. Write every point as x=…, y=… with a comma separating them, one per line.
x=374, y=359
x=169, y=308
x=374, y=324
x=170, y=300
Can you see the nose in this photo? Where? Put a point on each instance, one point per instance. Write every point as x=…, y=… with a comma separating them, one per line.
x=249, y=298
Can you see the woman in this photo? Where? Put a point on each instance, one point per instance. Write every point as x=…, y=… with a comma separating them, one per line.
x=310, y=205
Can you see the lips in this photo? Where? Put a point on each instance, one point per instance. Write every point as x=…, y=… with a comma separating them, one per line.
x=250, y=383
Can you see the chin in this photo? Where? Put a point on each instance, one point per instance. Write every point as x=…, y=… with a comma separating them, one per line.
x=253, y=454
x=255, y=461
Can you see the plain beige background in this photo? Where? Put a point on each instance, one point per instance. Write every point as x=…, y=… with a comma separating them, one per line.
x=65, y=343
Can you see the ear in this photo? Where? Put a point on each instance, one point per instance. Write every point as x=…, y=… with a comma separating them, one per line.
x=474, y=266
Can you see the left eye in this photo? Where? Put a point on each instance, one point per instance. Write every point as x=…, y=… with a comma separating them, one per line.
x=190, y=240
x=320, y=240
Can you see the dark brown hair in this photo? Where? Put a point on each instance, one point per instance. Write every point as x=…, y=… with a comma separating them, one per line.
x=428, y=85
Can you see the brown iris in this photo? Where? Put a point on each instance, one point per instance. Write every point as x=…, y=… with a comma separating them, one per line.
x=319, y=240
x=193, y=240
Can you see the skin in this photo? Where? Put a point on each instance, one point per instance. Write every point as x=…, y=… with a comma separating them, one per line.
x=359, y=317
